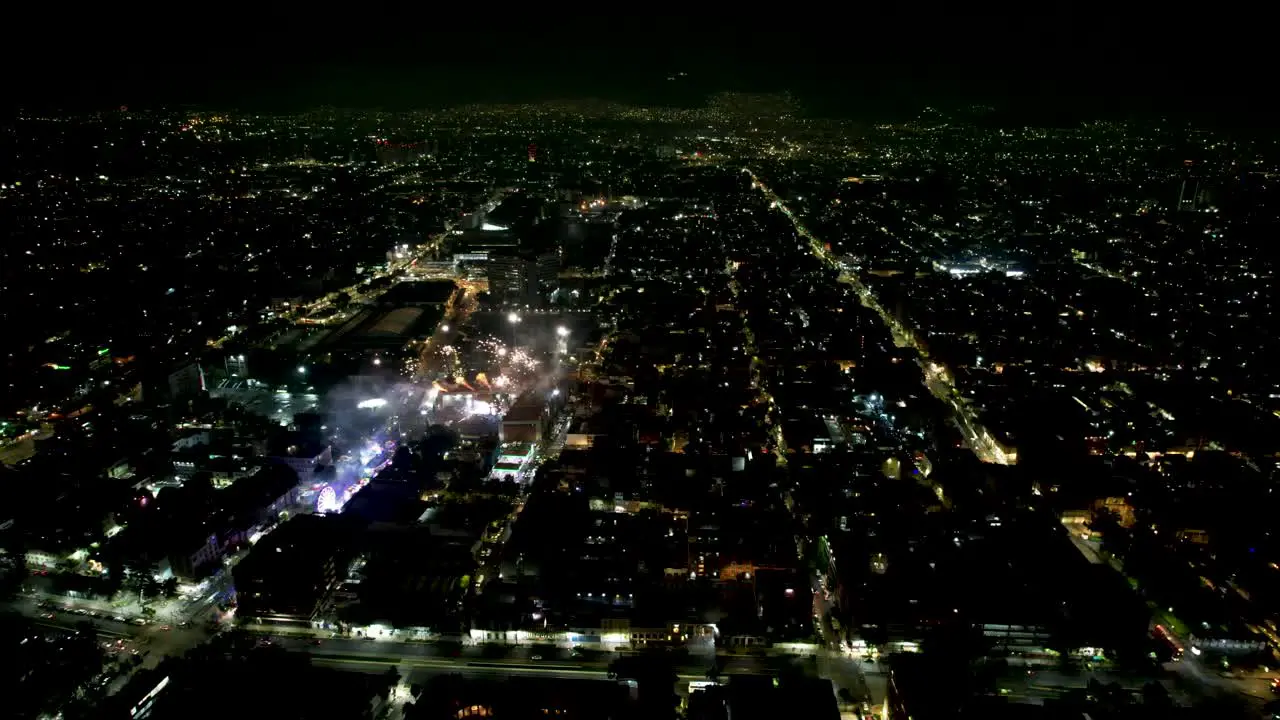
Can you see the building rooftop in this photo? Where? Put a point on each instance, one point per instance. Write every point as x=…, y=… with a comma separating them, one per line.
x=419, y=292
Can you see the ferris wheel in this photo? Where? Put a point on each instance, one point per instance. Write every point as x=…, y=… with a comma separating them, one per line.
x=327, y=500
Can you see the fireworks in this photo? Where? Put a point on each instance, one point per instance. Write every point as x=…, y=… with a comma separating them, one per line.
x=521, y=359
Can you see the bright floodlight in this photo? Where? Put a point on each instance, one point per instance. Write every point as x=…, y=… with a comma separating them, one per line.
x=444, y=328
x=513, y=318
x=302, y=369
x=562, y=331
x=371, y=403
x=377, y=361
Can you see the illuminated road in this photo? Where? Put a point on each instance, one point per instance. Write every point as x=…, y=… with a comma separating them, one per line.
x=431, y=364
x=749, y=347
x=937, y=379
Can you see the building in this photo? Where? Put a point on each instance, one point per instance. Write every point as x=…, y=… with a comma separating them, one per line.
x=301, y=456
x=186, y=381
x=525, y=422
x=236, y=365
x=524, y=278
x=420, y=294
x=136, y=699
x=290, y=576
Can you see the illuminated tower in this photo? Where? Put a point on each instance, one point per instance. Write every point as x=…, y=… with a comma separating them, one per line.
x=533, y=152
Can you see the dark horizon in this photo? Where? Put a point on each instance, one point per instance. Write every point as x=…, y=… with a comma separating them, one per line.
x=1046, y=70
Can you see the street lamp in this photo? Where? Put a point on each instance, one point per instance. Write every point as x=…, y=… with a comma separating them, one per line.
x=302, y=369
x=514, y=319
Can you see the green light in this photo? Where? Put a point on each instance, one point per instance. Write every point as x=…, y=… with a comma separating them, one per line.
x=104, y=351
x=61, y=367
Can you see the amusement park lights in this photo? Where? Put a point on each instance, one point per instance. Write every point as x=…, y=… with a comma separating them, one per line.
x=327, y=501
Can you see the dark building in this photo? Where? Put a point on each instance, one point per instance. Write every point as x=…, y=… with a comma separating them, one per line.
x=291, y=574
x=186, y=381
x=419, y=293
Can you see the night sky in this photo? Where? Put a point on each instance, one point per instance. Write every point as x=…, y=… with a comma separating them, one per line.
x=852, y=64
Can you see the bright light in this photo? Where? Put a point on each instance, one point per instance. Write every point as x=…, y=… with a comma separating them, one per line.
x=371, y=403
x=562, y=331
x=479, y=407
x=377, y=361
x=444, y=328
x=513, y=318
x=555, y=393
x=302, y=369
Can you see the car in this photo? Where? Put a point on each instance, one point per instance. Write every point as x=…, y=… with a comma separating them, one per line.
x=535, y=657
x=165, y=627
x=117, y=618
x=139, y=621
